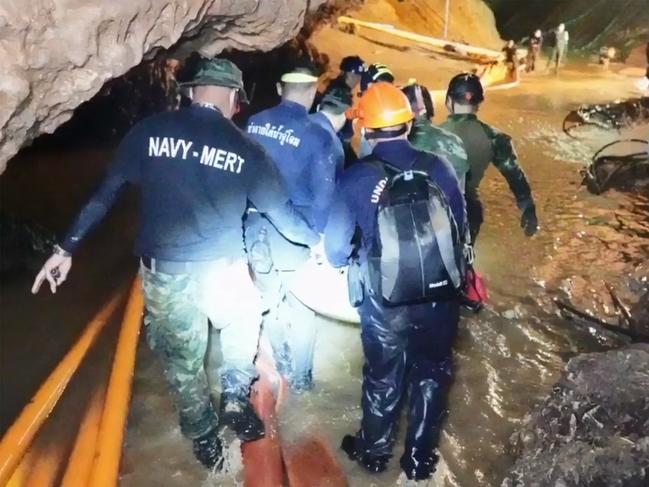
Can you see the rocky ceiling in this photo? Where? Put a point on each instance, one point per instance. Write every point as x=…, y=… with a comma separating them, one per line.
x=56, y=54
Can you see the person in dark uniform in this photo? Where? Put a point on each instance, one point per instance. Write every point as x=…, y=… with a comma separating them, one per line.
x=484, y=144
x=306, y=157
x=560, y=40
x=534, y=46
x=196, y=172
x=406, y=347
x=511, y=58
x=351, y=70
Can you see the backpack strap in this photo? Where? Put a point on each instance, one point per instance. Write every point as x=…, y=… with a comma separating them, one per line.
x=381, y=164
x=393, y=170
x=465, y=232
x=444, y=232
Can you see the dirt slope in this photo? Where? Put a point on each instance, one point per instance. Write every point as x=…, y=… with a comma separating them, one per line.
x=471, y=21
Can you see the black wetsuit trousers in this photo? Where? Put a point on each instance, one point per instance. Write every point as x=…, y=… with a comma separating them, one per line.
x=408, y=354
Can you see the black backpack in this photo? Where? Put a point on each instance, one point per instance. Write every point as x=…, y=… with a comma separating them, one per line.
x=418, y=254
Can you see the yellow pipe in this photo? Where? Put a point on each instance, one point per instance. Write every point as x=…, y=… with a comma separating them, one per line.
x=79, y=466
x=105, y=469
x=21, y=433
x=431, y=41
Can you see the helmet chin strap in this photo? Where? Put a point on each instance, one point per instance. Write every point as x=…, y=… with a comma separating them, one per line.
x=386, y=134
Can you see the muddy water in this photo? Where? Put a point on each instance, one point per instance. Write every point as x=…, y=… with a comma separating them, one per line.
x=507, y=357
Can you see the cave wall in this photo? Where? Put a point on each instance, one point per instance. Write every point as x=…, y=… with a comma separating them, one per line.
x=57, y=54
x=592, y=23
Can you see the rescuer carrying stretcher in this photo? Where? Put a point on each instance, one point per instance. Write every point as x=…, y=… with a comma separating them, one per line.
x=307, y=158
x=196, y=172
x=400, y=212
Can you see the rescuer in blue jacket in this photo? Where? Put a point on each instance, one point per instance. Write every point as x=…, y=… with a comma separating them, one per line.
x=406, y=347
x=306, y=157
x=196, y=172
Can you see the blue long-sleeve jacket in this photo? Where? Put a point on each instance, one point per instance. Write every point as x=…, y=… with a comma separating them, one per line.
x=304, y=155
x=355, y=202
x=196, y=172
x=338, y=153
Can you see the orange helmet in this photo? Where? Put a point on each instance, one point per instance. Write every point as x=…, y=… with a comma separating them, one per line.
x=382, y=105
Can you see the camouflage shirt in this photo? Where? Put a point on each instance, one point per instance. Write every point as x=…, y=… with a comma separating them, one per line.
x=485, y=144
x=428, y=137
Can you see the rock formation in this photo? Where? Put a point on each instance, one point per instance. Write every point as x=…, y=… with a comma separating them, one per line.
x=57, y=54
x=593, y=430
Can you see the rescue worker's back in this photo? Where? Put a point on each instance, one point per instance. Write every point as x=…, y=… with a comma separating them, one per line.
x=196, y=171
x=303, y=153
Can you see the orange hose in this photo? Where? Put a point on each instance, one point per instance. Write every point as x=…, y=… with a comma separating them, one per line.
x=21, y=433
x=310, y=462
x=105, y=469
x=262, y=459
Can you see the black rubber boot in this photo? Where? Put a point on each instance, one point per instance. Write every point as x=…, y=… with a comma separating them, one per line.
x=208, y=450
x=371, y=464
x=416, y=468
x=238, y=414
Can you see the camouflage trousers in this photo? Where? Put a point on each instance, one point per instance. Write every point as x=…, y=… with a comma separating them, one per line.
x=178, y=308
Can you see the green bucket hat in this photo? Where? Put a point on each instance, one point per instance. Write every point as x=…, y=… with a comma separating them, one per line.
x=219, y=72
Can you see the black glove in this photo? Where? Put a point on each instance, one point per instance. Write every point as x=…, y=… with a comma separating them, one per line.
x=529, y=222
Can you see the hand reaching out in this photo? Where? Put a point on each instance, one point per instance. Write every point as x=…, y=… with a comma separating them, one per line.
x=55, y=271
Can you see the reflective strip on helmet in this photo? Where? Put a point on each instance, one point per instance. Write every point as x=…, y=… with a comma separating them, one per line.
x=381, y=71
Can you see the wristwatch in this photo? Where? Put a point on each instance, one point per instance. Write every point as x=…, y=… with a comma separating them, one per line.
x=62, y=252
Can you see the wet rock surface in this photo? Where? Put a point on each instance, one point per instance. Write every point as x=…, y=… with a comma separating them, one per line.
x=57, y=54
x=593, y=430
